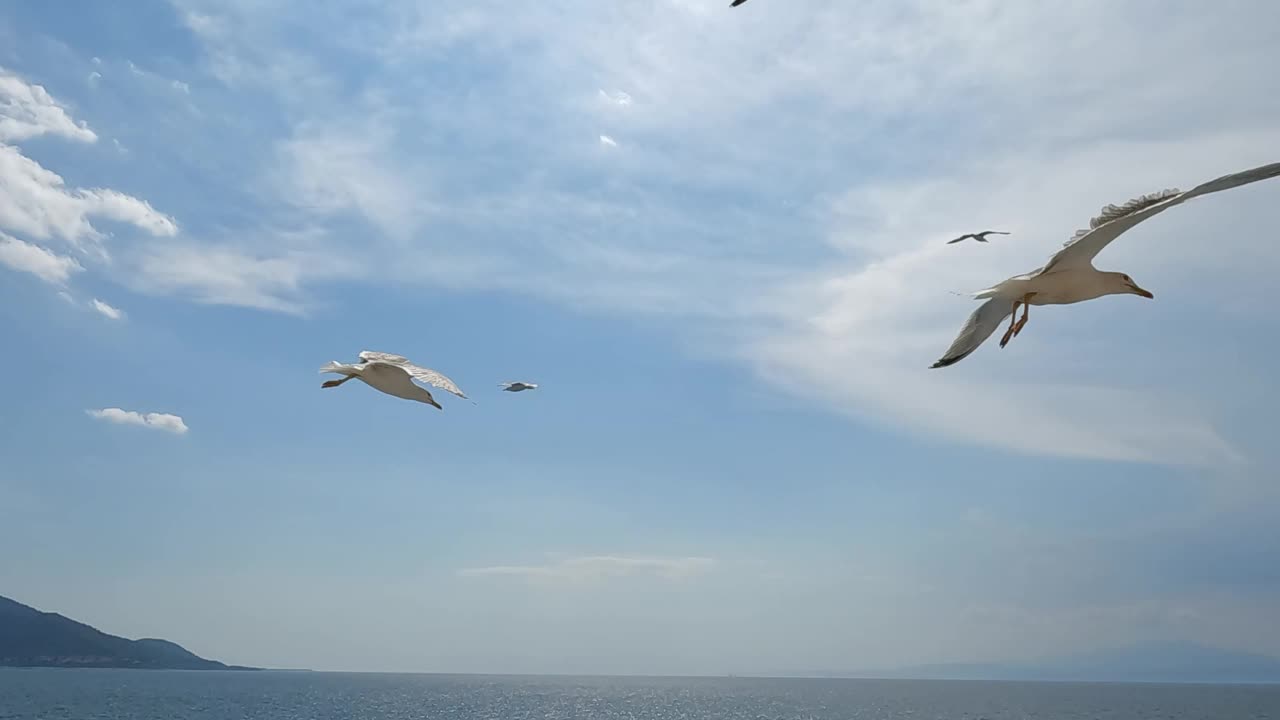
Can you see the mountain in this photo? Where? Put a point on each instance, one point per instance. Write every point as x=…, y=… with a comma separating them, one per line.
x=30, y=638
x=1156, y=662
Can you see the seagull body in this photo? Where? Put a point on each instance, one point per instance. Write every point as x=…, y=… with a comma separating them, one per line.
x=980, y=237
x=519, y=386
x=393, y=375
x=1069, y=276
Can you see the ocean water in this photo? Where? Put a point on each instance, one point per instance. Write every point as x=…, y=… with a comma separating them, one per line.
x=163, y=695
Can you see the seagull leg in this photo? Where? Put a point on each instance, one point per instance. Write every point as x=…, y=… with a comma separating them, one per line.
x=335, y=383
x=1009, y=333
x=1026, y=310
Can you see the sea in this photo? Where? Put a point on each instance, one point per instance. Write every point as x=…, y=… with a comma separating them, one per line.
x=49, y=694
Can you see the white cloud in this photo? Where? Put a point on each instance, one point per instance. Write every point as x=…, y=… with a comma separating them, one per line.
x=864, y=334
x=35, y=202
x=801, y=210
x=94, y=77
x=106, y=310
x=600, y=567
x=616, y=97
x=156, y=421
x=348, y=167
x=25, y=257
x=226, y=275
x=608, y=141
x=28, y=111
x=181, y=87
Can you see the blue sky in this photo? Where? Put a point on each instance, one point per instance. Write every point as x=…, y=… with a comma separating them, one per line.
x=716, y=239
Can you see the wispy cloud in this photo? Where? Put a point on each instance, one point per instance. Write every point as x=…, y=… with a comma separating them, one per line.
x=349, y=168
x=617, y=97
x=35, y=202
x=28, y=258
x=37, y=206
x=799, y=214
x=107, y=311
x=865, y=332
x=227, y=275
x=155, y=421
x=28, y=111
x=600, y=567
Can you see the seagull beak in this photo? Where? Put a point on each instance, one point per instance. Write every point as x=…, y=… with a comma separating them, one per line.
x=1139, y=291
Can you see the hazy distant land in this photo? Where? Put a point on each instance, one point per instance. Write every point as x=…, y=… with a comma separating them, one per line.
x=1171, y=662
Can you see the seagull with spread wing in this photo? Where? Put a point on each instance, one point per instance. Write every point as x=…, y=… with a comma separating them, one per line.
x=1069, y=276
x=393, y=375
x=980, y=237
x=518, y=386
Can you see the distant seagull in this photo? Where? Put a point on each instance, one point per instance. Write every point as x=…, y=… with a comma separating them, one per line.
x=393, y=375
x=519, y=386
x=980, y=237
x=1069, y=276
x=736, y=3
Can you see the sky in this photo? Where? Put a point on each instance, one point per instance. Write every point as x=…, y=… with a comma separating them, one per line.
x=716, y=239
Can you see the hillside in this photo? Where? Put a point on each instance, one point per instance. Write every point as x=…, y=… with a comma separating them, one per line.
x=31, y=638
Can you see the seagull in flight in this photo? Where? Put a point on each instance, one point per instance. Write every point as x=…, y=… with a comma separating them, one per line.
x=980, y=237
x=393, y=375
x=1069, y=276
x=736, y=3
x=519, y=386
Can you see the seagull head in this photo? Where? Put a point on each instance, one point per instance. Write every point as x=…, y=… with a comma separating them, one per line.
x=1125, y=285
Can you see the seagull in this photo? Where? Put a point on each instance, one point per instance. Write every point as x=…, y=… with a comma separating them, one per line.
x=393, y=375
x=1069, y=276
x=980, y=237
x=736, y=3
x=518, y=386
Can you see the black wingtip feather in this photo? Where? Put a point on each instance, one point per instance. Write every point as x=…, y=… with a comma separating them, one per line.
x=949, y=361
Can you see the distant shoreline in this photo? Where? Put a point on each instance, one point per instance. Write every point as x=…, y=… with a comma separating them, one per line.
x=735, y=677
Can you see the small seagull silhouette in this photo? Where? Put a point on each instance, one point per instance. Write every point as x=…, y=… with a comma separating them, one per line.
x=980, y=237
x=736, y=3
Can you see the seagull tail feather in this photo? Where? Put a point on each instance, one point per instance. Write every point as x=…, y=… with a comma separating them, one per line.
x=333, y=366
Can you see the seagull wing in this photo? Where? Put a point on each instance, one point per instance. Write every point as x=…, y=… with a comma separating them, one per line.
x=367, y=356
x=1114, y=220
x=976, y=330
x=431, y=377
x=962, y=237
x=419, y=373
